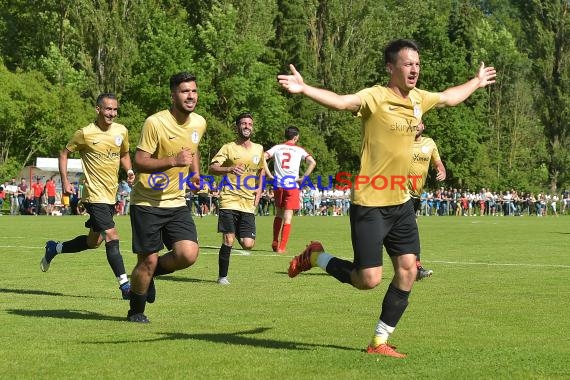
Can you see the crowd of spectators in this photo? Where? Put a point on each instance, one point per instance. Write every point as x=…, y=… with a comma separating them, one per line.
x=41, y=198
x=20, y=198
x=485, y=202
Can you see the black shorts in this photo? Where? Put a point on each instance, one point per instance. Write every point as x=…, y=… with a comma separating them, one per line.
x=417, y=204
x=156, y=227
x=393, y=227
x=240, y=223
x=100, y=216
x=51, y=200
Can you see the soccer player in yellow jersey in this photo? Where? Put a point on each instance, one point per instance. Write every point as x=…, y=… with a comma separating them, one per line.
x=380, y=214
x=166, y=160
x=103, y=145
x=241, y=164
x=424, y=152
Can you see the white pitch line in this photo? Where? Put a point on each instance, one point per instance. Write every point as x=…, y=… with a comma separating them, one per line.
x=499, y=264
x=234, y=250
x=247, y=253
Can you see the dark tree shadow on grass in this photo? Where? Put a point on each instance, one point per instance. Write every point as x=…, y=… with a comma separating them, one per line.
x=64, y=314
x=181, y=279
x=240, y=338
x=40, y=293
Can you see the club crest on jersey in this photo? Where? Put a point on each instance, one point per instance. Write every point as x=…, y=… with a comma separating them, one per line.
x=255, y=160
x=118, y=140
x=417, y=111
x=425, y=149
x=195, y=137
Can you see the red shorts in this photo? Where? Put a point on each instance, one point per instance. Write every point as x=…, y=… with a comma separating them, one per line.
x=287, y=199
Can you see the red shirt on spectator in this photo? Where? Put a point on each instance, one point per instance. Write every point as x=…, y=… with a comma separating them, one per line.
x=38, y=189
x=50, y=188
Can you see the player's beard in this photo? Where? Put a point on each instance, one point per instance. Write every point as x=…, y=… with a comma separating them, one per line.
x=242, y=136
x=183, y=110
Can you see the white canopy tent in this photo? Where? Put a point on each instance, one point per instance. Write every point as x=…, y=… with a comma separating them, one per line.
x=51, y=165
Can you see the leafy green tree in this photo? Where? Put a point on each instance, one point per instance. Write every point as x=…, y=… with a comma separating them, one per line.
x=37, y=118
x=237, y=77
x=547, y=27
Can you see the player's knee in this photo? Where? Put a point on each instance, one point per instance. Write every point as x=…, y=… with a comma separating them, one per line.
x=370, y=283
x=247, y=244
x=188, y=258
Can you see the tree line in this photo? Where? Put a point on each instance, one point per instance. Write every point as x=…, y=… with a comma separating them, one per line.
x=56, y=56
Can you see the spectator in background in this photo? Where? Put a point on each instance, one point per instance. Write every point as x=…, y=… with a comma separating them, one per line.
x=554, y=203
x=38, y=192
x=51, y=193
x=22, y=191
x=2, y=197
x=215, y=196
x=74, y=199
x=14, y=202
x=65, y=203
x=263, y=203
x=29, y=204
x=125, y=196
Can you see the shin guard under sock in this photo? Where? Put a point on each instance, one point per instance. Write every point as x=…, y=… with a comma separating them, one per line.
x=77, y=244
x=340, y=269
x=224, y=260
x=114, y=257
x=393, y=306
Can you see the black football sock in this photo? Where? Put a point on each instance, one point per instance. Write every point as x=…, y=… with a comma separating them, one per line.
x=137, y=303
x=77, y=244
x=340, y=269
x=114, y=257
x=393, y=306
x=224, y=260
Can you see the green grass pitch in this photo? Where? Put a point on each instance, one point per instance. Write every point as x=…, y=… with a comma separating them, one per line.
x=497, y=307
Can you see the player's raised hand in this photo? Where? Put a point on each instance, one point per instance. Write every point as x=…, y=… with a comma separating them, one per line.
x=293, y=82
x=486, y=75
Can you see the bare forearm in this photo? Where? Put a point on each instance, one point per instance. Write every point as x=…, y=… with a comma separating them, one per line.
x=147, y=164
x=217, y=169
x=62, y=165
x=456, y=95
x=126, y=162
x=331, y=99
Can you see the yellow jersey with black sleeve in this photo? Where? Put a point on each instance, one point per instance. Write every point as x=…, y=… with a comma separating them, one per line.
x=424, y=151
x=238, y=192
x=100, y=153
x=389, y=124
x=162, y=136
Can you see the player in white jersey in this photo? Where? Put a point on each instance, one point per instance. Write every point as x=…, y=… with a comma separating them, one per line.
x=287, y=159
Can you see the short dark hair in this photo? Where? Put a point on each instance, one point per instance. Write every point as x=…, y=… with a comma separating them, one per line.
x=243, y=115
x=105, y=95
x=181, y=77
x=291, y=132
x=393, y=48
